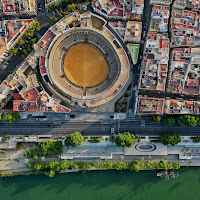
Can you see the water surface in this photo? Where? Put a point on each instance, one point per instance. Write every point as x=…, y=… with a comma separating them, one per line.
x=107, y=185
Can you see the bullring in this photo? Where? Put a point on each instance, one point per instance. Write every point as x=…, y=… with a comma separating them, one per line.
x=86, y=65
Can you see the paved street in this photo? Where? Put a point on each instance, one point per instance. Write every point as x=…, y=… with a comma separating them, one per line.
x=143, y=127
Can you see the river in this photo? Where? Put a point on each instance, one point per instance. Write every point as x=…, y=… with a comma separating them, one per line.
x=103, y=185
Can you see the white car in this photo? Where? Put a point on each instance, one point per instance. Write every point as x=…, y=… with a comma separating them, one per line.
x=4, y=66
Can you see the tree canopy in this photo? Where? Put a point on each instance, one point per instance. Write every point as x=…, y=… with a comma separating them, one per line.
x=50, y=148
x=35, y=25
x=170, y=138
x=14, y=51
x=188, y=120
x=125, y=139
x=49, y=8
x=10, y=117
x=52, y=21
x=169, y=121
x=74, y=139
x=21, y=42
x=136, y=166
x=156, y=118
x=29, y=33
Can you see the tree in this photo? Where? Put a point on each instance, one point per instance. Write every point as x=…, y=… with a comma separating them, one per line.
x=74, y=139
x=5, y=137
x=120, y=165
x=52, y=21
x=28, y=48
x=149, y=164
x=176, y=165
x=35, y=25
x=33, y=41
x=196, y=139
x=14, y=51
x=50, y=173
x=112, y=138
x=31, y=153
x=1, y=175
x=8, y=117
x=61, y=14
x=169, y=121
x=56, y=4
x=49, y=8
x=136, y=166
x=170, y=138
x=36, y=166
x=1, y=116
x=50, y=148
x=21, y=42
x=156, y=118
x=29, y=33
x=125, y=139
x=73, y=7
x=184, y=120
x=16, y=116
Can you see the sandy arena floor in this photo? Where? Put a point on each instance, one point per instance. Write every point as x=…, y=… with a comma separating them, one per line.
x=85, y=66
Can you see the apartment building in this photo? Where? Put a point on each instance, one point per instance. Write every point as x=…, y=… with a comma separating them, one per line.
x=133, y=31
x=185, y=28
x=159, y=106
x=185, y=71
x=120, y=27
x=150, y=106
x=119, y=9
x=154, y=67
x=191, y=4
x=160, y=2
x=11, y=31
x=159, y=19
x=18, y=7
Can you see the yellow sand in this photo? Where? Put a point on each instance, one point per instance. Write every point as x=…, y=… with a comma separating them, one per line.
x=85, y=66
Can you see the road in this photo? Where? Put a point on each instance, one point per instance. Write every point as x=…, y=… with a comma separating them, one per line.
x=140, y=126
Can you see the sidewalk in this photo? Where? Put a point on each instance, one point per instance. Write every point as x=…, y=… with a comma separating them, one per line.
x=74, y=116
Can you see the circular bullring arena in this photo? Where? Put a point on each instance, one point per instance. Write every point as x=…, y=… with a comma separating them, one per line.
x=86, y=66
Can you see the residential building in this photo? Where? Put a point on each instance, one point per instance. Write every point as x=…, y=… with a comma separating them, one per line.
x=11, y=31
x=185, y=71
x=191, y=4
x=133, y=31
x=160, y=2
x=120, y=27
x=159, y=19
x=119, y=9
x=137, y=10
x=154, y=66
x=185, y=28
x=150, y=106
x=18, y=7
x=174, y=106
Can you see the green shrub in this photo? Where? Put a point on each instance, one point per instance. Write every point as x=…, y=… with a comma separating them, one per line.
x=95, y=140
x=31, y=153
x=85, y=138
x=112, y=138
x=50, y=148
x=3, y=152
